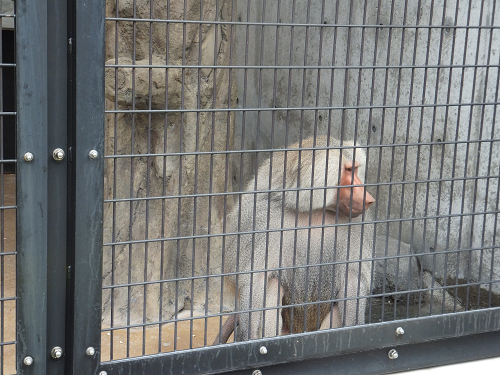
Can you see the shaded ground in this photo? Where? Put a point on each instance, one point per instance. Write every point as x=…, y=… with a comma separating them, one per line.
x=8, y=276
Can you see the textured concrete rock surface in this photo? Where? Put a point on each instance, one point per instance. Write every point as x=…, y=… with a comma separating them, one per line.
x=130, y=87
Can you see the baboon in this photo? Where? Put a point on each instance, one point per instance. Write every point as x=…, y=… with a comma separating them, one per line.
x=298, y=238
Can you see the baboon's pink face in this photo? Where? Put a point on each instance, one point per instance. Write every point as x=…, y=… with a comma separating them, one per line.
x=352, y=198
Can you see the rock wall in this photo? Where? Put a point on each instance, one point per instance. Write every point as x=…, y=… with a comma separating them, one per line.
x=164, y=174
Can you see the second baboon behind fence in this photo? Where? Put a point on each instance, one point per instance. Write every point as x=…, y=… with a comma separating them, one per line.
x=299, y=249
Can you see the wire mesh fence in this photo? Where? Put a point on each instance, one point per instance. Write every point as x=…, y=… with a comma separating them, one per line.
x=293, y=166
x=7, y=192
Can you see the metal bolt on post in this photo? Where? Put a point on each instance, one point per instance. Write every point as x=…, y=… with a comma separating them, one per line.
x=393, y=354
x=56, y=352
x=28, y=360
x=28, y=157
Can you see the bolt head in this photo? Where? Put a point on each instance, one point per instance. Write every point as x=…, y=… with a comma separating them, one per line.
x=28, y=360
x=93, y=154
x=257, y=372
x=400, y=331
x=393, y=354
x=90, y=351
x=58, y=154
x=263, y=350
x=56, y=352
x=28, y=157
x=103, y=373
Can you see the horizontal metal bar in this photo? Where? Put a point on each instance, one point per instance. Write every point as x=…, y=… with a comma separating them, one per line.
x=3, y=161
x=3, y=299
x=300, y=67
x=8, y=207
x=415, y=356
x=248, y=151
x=7, y=65
x=8, y=253
x=389, y=106
x=8, y=343
x=8, y=113
x=296, y=25
x=318, y=344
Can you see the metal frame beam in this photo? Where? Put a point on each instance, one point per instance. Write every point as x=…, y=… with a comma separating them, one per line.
x=371, y=343
x=87, y=134
x=32, y=179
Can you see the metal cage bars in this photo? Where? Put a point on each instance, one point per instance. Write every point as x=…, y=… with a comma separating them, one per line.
x=430, y=99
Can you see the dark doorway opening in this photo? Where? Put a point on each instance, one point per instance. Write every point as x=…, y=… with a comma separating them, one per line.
x=8, y=130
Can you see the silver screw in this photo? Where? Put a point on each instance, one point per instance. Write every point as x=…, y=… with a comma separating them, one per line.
x=56, y=352
x=257, y=372
x=93, y=154
x=90, y=351
x=28, y=157
x=393, y=354
x=400, y=331
x=263, y=350
x=103, y=373
x=58, y=154
x=28, y=360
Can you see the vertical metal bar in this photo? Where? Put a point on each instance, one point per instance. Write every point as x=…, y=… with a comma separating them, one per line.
x=407, y=140
x=57, y=98
x=454, y=158
x=89, y=132
x=424, y=91
x=115, y=182
x=195, y=193
x=396, y=112
x=148, y=179
x=244, y=125
x=467, y=147
x=478, y=150
x=31, y=227
x=430, y=161
x=373, y=129
x=279, y=297
x=492, y=136
x=208, y=281
x=259, y=114
x=288, y=99
x=133, y=160
x=301, y=138
x=227, y=176
x=164, y=186
x=2, y=214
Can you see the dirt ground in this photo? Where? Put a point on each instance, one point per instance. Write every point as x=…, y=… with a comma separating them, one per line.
x=147, y=341
x=8, y=275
